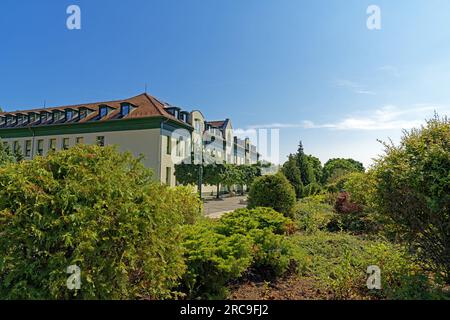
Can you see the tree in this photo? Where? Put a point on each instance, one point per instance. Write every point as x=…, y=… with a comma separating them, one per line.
x=293, y=174
x=316, y=166
x=338, y=167
x=95, y=208
x=273, y=191
x=187, y=174
x=306, y=168
x=413, y=189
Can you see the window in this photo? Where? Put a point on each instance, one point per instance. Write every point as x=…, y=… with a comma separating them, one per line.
x=168, y=176
x=43, y=117
x=198, y=126
x=83, y=113
x=69, y=115
x=169, y=145
x=100, y=141
x=40, y=147
x=5, y=145
x=179, y=140
x=28, y=148
x=80, y=140
x=125, y=110
x=103, y=111
x=15, y=146
x=52, y=145
x=65, y=143
x=31, y=117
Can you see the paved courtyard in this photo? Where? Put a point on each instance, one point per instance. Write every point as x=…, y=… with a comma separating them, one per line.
x=216, y=208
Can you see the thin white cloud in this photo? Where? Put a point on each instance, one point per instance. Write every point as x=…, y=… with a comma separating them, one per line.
x=388, y=117
x=354, y=86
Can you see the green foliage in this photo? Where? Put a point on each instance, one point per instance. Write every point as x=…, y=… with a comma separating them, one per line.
x=313, y=214
x=273, y=191
x=95, y=208
x=312, y=189
x=272, y=251
x=336, y=168
x=244, y=220
x=184, y=200
x=305, y=165
x=413, y=189
x=293, y=174
x=7, y=156
x=339, y=262
x=361, y=187
x=187, y=174
x=213, y=259
x=218, y=252
x=217, y=174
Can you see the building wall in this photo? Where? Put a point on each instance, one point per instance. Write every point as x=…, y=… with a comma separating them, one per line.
x=138, y=142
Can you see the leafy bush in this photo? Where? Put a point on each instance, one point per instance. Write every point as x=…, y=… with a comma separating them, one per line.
x=272, y=252
x=339, y=262
x=313, y=214
x=244, y=220
x=336, y=168
x=213, y=259
x=95, y=208
x=185, y=200
x=273, y=191
x=312, y=189
x=413, y=189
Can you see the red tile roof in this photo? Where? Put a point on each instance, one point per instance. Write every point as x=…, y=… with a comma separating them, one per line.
x=145, y=106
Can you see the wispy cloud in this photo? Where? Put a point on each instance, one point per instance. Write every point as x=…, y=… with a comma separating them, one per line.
x=385, y=118
x=354, y=86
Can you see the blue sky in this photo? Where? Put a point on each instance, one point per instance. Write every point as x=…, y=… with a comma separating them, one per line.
x=310, y=68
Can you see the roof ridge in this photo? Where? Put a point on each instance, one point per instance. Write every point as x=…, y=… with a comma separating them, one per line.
x=72, y=105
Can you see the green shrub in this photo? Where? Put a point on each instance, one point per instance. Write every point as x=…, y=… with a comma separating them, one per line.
x=312, y=189
x=339, y=262
x=185, y=200
x=272, y=251
x=273, y=191
x=244, y=220
x=95, y=208
x=312, y=214
x=213, y=259
x=413, y=189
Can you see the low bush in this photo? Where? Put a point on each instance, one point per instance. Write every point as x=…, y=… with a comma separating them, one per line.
x=213, y=259
x=244, y=220
x=95, y=208
x=273, y=191
x=272, y=251
x=312, y=214
x=339, y=262
x=185, y=200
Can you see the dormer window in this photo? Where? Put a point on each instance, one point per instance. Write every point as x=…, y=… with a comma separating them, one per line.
x=83, y=113
x=103, y=111
x=43, y=117
x=69, y=115
x=56, y=115
x=125, y=110
x=2, y=121
x=20, y=119
x=9, y=120
x=31, y=117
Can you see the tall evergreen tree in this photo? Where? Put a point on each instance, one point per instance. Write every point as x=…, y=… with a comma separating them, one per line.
x=306, y=168
x=293, y=174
